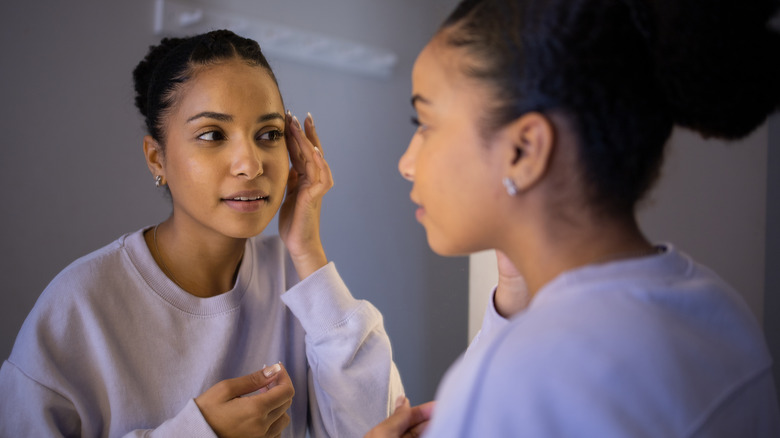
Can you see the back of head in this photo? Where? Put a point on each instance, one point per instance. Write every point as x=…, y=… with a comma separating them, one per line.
x=169, y=64
x=624, y=71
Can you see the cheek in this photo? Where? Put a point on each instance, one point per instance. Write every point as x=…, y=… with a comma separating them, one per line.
x=198, y=170
x=277, y=165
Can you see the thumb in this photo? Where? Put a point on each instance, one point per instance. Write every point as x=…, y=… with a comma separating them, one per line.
x=249, y=383
x=396, y=424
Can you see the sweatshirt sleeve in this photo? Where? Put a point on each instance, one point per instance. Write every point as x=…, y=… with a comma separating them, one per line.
x=30, y=409
x=187, y=423
x=353, y=380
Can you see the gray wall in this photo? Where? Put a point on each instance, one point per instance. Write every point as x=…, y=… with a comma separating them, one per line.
x=73, y=178
x=772, y=296
x=710, y=202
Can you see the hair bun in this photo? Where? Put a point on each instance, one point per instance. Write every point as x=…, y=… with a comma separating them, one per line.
x=142, y=75
x=717, y=61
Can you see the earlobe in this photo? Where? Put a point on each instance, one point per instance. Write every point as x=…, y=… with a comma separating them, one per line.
x=532, y=140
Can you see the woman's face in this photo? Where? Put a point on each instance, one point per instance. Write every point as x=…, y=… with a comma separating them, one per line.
x=454, y=170
x=225, y=159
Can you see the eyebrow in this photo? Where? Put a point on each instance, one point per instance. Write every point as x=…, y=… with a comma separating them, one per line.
x=228, y=118
x=417, y=98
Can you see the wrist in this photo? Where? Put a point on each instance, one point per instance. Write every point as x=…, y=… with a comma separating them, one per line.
x=309, y=262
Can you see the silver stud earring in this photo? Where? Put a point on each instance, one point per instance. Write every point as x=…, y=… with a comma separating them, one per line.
x=511, y=188
x=157, y=181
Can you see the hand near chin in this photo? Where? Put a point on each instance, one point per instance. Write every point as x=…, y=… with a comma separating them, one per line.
x=310, y=178
x=231, y=412
x=512, y=293
x=405, y=422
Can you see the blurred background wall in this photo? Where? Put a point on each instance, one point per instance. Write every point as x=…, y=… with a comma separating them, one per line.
x=73, y=177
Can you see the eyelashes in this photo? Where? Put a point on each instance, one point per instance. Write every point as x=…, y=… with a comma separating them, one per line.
x=421, y=127
x=272, y=135
x=211, y=136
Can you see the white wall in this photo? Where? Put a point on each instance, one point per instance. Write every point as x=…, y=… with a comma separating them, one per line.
x=73, y=178
x=710, y=202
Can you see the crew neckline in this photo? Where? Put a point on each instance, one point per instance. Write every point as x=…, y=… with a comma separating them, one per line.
x=654, y=267
x=159, y=283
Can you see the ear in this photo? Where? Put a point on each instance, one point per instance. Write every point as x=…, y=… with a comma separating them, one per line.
x=528, y=147
x=155, y=158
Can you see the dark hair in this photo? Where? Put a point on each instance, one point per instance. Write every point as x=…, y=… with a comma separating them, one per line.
x=624, y=72
x=170, y=63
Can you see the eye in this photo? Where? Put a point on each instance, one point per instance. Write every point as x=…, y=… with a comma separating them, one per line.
x=272, y=135
x=420, y=126
x=211, y=136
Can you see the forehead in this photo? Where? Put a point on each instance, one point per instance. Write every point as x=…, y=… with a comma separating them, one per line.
x=230, y=86
x=439, y=82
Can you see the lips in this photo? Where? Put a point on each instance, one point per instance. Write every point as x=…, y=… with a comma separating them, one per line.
x=247, y=196
x=420, y=212
x=246, y=201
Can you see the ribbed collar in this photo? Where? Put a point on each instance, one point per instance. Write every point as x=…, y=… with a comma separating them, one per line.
x=666, y=266
x=136, y=249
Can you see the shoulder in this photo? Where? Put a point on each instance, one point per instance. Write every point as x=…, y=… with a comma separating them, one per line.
x=69, y=309
x=86, y=273
x=579, y=358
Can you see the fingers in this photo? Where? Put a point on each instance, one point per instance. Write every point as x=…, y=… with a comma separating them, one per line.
x=421, y=416
x=236, y=387
x=280, y=391
x=275, y=430
x=311, y=131
x=293, y=145
x=306, y=154
x=406, y=421
x=230, y=411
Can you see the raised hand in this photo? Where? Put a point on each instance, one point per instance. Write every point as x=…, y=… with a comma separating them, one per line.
x=512, y=293
x=232, y=410
x=405, y=422
x=310, y=178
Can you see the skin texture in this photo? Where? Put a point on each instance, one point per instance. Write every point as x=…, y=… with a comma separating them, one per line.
x=228, y=136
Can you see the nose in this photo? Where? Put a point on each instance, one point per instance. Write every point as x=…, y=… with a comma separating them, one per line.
x=407, y=161
x=247, y=160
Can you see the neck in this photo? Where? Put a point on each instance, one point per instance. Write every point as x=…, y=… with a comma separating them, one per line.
x=554, y=249
x=204, y=267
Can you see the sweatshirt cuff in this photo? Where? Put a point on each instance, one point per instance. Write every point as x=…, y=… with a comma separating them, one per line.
x=188, y=423
x=321, y=301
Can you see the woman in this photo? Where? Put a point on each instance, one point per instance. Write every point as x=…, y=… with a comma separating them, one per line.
x=168, y=330
x=541, y=124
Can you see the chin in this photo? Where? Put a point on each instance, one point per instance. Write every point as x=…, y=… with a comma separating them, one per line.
x=447, y=248
x=246, y=231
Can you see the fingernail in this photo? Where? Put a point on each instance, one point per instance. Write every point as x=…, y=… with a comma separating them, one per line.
x=316, y=149
x=400, y=401
x=311, y=119
x=273, y=369
x=297, y=123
